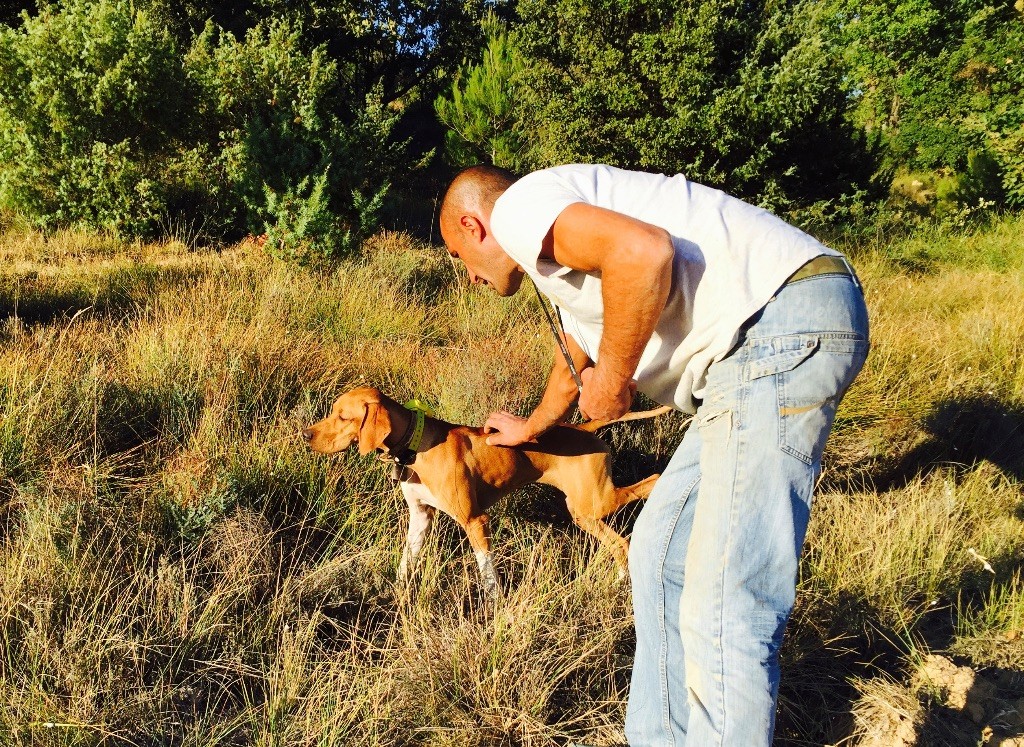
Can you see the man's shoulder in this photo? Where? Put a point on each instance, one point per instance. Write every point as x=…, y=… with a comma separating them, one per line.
x=583, y=173
x=553, y=175
x=524, y=213
x=557, y=186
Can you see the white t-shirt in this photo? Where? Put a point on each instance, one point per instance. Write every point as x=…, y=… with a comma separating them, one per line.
x=730, y=259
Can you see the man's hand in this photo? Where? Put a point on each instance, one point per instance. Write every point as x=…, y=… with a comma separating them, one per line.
x=507, y=429
x=603, y=401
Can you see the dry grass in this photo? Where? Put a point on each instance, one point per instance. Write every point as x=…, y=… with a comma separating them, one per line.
x=178, y=569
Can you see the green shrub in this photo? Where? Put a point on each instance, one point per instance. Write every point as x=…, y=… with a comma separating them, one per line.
x=744, y=96
x=480, y=109
x=94, y=117
x=293, y=157
x=106, y=123
x=997, y=44
x=307, y=232
x=936, y=87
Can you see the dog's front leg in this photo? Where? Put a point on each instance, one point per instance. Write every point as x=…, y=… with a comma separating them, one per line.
x=487, y=574
x=421, y=516
x=479, y=533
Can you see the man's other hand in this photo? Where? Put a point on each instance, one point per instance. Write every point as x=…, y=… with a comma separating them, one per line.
x=599, y=401
x=507, y=429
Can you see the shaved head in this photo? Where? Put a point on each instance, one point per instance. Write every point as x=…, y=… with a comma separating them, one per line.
x=474, y=190
x=466, y=227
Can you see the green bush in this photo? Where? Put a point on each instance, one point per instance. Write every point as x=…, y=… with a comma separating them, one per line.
x=937, y=87
x=745, y=96
x=306, y=171
x=995, y=52
x=105, y=123
x=481, y=108
x=305, y=230
x=94, y=118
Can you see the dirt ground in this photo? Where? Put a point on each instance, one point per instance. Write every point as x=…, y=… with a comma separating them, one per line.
x=947, y=706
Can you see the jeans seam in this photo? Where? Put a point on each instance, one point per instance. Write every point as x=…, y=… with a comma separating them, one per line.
x=780, y=395
x=666, y=715
x=742, y=398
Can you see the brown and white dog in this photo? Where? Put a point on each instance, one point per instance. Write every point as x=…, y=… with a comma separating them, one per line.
x=456, y=471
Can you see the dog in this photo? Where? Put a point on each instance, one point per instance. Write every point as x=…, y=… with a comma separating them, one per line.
x=453, y=469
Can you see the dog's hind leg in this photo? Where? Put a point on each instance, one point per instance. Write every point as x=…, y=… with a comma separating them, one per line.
x=636, y=491
x=589, y=506
x=608, y=537
x=640, y=490
x=421, y=516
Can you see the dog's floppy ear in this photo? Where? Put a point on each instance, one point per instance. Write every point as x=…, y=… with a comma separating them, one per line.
x=375, y=427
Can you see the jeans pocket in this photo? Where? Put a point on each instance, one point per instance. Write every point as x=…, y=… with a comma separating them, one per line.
x=812, y=372
x=810, y=391
x=722, y=417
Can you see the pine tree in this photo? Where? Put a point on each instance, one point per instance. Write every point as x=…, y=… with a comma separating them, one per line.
x=480, y=109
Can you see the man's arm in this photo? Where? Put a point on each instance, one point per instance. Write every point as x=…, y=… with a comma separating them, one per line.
x=634, y=260
x=507, y=429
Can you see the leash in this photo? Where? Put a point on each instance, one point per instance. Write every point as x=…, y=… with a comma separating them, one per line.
x=559, y=338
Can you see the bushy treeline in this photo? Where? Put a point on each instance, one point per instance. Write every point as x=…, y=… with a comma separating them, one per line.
x=143, y=117
x=788, y=103
x=302, y=120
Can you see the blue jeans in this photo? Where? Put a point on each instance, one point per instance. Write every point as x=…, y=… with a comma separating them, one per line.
x=714, y=553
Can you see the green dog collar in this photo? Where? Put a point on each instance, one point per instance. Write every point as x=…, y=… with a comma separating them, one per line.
x=421, y=411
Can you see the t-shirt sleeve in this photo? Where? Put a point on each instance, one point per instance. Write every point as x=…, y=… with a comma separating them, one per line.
x=524, y=214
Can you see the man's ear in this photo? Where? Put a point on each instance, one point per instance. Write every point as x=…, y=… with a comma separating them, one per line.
x=473, y=226
x=375, y=427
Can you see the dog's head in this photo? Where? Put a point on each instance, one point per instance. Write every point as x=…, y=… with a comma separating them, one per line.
x=356, y=416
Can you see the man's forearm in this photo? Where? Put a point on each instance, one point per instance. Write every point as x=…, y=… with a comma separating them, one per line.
x=561, y=391
x=558, y=398
x=506, y=429
x=634, y=260
x=634, y=295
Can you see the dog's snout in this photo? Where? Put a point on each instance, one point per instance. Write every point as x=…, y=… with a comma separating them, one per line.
x=307, y=434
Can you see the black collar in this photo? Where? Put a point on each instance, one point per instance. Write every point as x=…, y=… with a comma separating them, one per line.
x=404, y=452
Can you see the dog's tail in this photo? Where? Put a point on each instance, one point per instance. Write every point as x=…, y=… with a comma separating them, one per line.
x=594, y=425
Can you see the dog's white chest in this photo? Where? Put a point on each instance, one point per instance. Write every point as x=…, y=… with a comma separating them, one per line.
x=417, y=492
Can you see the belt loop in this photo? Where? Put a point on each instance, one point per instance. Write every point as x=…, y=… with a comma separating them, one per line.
x=853, y=273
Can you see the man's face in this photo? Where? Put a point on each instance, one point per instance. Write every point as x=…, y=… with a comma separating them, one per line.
x=484, y=259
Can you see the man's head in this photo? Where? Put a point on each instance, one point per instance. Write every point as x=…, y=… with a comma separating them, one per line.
x=466, y=227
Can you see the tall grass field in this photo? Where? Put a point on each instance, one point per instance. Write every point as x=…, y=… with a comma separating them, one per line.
x=177, y=568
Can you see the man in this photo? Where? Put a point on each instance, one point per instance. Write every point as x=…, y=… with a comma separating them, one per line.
x=717, y=308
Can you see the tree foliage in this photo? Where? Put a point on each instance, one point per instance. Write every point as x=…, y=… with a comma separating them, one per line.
x=293, y=117
x=287, y=149
x=938, y=87
x=779, y=101
x=742, y=95
x=482, y=107
x=993, y=54
x=94, y=118
x=118, y=116
x=390, y=47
